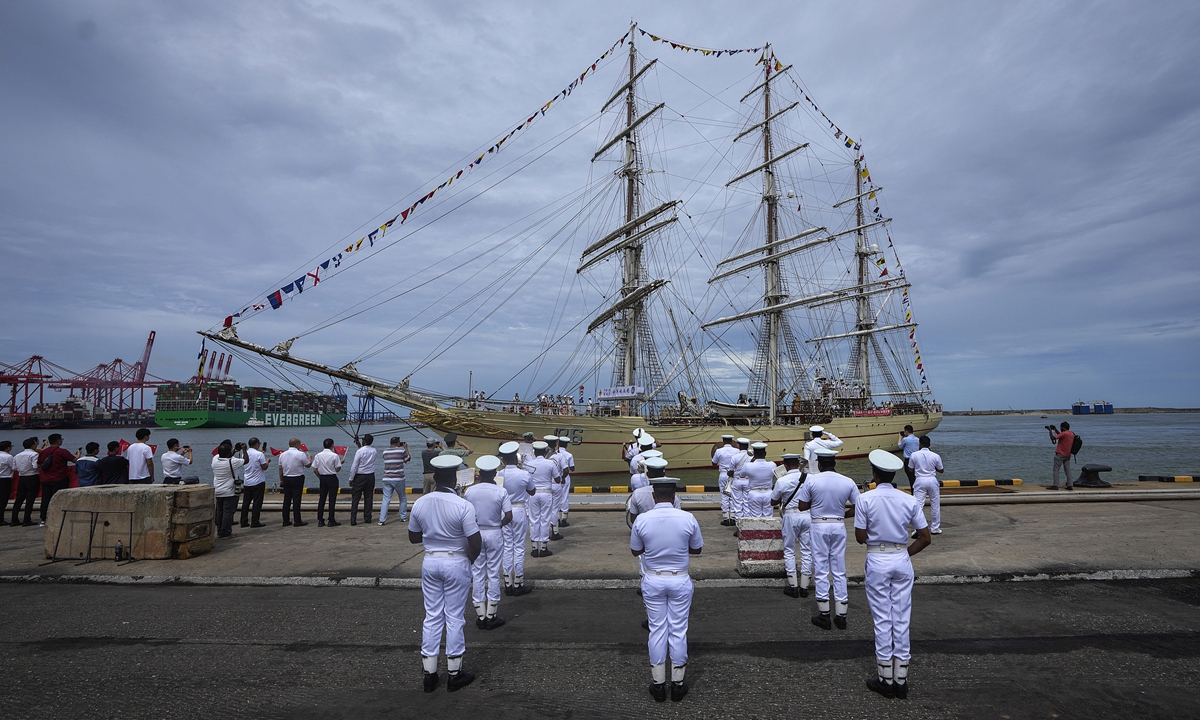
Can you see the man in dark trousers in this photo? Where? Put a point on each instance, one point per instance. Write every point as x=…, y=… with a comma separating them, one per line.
x=362, y=484
x=1063, y=439
x=26, y=464
x=53, y=462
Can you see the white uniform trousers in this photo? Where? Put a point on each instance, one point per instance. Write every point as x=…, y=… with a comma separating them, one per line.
x=445, y=584
x=828, y=541
x=485, y=571
x=668, y=601
x=514, y=542
x=889, y=584
x=726, y=501
x=540, y=507
x=740, y=487
x=795, y=532
x=565, y=505
x=559, y=504
x=929, y=487
x=758, y=503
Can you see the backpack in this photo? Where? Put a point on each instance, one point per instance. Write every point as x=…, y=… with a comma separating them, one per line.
x=1076, y=444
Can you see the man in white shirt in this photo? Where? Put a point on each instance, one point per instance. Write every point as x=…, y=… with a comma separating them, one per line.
x=362, y=484
x=173, y=462
x=445, y=524
x=926, y=464
x=291, y=478
x=556, y=488
x=825, y=495
x=254, y=483
x=518, y=483
x=645, y=442
x=760, y=477
x=738, y=482
x=665, y=538
x=642, y=479
x=820, y=439
x=28, y=480
x=881, y=523
x=796, y=526
x=545, y=474
x=325, y=466
x=721, y=457
x=7, y=468
x=641, y=500
x=493, y=510
x=141, y=459
x=566, y=462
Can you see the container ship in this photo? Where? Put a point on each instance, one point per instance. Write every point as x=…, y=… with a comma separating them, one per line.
x=225, y=404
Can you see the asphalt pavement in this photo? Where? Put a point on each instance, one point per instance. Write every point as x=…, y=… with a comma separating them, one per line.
x=1126, y=649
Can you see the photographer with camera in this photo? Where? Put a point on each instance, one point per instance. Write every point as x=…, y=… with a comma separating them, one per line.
x=1064, y=439
x=225, y=469
x=173, y=462
x=433, y=448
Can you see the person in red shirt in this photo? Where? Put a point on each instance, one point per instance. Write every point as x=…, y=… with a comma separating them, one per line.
x=52, y=466
x=1063, y=439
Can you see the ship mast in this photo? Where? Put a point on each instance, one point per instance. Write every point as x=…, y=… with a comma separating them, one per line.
x=771, y=277
x=632, y=256
x=862, y=314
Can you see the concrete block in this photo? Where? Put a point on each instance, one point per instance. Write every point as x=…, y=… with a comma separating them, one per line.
x=147, y=513
x=760, y=547
x=192, y=548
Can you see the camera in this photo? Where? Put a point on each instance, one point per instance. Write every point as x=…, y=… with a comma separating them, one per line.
x=1050, y=427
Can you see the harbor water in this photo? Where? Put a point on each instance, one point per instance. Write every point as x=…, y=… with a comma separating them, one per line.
x=972, y=447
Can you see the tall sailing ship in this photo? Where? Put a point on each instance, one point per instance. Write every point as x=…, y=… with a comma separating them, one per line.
x=828, y=331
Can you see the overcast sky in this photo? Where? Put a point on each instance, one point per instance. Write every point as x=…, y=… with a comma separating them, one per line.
x=165, y=163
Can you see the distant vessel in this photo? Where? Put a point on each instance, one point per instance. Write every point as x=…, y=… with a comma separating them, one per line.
x=225, y=404
x=1099, y=407
x=75, y=412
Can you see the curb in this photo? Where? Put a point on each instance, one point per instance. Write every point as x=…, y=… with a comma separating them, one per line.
x=571, y=584
x=1169, y=478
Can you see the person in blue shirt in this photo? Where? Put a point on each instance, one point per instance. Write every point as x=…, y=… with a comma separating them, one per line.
x=909, y=444
x=85, y=466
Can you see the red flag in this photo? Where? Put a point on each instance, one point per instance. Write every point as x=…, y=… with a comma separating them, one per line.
x=124, y=446
x=340, y=449
x=276, y=452
x=228, y=321
x=215, y=451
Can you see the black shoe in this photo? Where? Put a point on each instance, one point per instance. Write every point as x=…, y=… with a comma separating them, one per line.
x=639, y=592
x=320, y=523
x=725, y=522
x=352, y=522
x=821, y=620
x=535, y=553
x=840, y=622
x=257, y=525
x=564, y=523
x=28, y=523
x=546, y=553
x=678, y=690
x=803, y=592
x=222, y=536
x=479, y=623
x=901, y=690
x=658, y=691
x=431, y=681
x=508, y=590
x=646, y=624
x=299, y=523
x=521, y=590
x=459, y=680
x=333, y=523
x=885, y=689
x=792, y=591
x=493, y=622
x=245, y=524
x=1070, y=487
x=556, y=536
x=735, y=534
x=287, y=523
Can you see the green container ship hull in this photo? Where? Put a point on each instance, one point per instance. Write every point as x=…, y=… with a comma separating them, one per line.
x=229, y=419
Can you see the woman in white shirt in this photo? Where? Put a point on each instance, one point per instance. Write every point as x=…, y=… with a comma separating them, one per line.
x=225, y=469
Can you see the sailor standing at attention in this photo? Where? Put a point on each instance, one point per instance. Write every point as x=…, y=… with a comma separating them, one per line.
x=760, y=476
x=566, y=462
x=739, y=483
x=555, y=489
x=545, y=473
x=721, y=457
x=820, y=439
x=493, y=511
x=881, y=523
x=445, y=524
x=645, y=442
x=641, y=500
x=642, y=478
x=518, y=483
x=926, y=464
x=796, y=525
x=664, y=538
x=825, y=495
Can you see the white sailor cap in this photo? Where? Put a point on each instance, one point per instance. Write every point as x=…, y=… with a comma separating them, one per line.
x=487, y=462
x=652, y=454
x=743, y=441
x=825, y=452
x=645, y=440
x=816, y=429
x=885, y=461
x=726, y=437
x=509, y=448
x=656, y=463
x=759, y=446
x=790, y=456
x=638, y=432
x=668, y=481
x=550, y=438
x=564, y=440
x=446, y=462
x=539, y=445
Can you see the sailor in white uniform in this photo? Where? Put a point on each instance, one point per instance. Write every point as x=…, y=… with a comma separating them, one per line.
x=825, y=495
x=555, y=489
x=645, y=442
x=566, y=463
x=926, y=464
x=545, y=474
x=881, y=523
x=721, y=457
x=665, y=537
x=738, y=482
x=796, y=525
x=641, y=480
x=642, y=499
x=493, y=510
x=445, y=524
x=525, y=447
x=631, y=448
x=518, y=483
x=820, y=439
x=760, y=477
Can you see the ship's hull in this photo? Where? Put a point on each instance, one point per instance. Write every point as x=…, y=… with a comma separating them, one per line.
x=597, y=442
x=229, y=419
